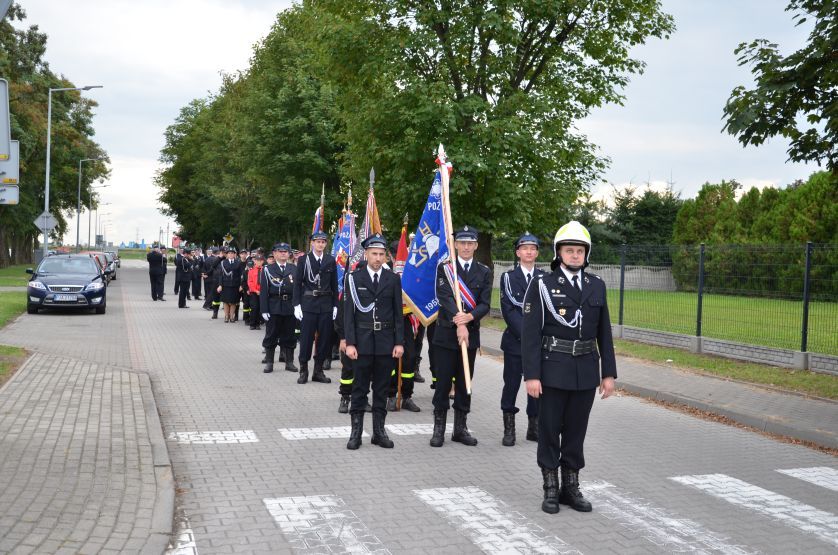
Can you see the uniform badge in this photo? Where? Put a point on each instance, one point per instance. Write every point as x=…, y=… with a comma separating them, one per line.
x=527, y=308
x=561, y=280
x=587, y=280
x=562, y=311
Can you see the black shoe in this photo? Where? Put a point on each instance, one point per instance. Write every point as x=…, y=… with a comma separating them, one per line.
x=282, y=355
x=379, y=434
x=532, y=428
x=343, y=407
x=183, y=307
x=391, y=404
x=155, y=300
x=288, y=356
x=161, y=299
x=318, y=375
x=409, y=405
x=551, y=491
x=570, y=494
x=368, y=407
x=269, y=362
x=327, y=364
x=461, y=433
x=418, y=378
x=438, y=437
x=433, y=384
x=303, y=374
x=357, y=419
x=508, y=429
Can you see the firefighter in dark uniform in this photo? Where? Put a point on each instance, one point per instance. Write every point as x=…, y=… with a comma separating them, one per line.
x=155, y=272
x=408, y=371
x=164, y=252
x=276, y=289
x=197, y=268
x=455, y=327
x=183, y=275
x=347, y=374
x=374, y=338
x=246, y=263
x=567, y=351
x=513, y=285
x=316, y=306
x=212, y=300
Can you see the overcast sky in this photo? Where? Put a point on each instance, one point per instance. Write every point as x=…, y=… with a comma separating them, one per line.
x=154, y=56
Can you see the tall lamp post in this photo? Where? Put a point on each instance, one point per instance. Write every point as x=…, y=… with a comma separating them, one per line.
x=90, y=212
x=97, y=218
x=78, y=205
x=49, y=137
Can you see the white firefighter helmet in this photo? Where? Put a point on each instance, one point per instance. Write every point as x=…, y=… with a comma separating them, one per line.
x=572, y=233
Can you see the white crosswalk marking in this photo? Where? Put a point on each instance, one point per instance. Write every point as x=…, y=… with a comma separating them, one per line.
x=322, y=524
x=804, y=517
x=415, y=429
x=489, y=523
x=654, y=524
x=822, y=476
x=215, y=437
x=326, y=432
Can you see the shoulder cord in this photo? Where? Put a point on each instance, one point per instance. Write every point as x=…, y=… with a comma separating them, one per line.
x=311, y=277
x=355, y=300
x=272, y=278
x=225, y=272
x=509, y=295
x=545, y=297
x=182, y=265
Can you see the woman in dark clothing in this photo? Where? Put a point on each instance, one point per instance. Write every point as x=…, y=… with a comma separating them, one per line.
x=230, y=284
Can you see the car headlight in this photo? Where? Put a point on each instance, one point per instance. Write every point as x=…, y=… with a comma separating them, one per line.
x=37, y=285
x=95, y=286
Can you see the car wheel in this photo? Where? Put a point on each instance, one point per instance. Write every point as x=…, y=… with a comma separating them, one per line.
x=31, y=309
x=101, y=309
x=113, y=277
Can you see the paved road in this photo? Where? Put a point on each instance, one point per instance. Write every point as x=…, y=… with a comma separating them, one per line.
x=661, y=481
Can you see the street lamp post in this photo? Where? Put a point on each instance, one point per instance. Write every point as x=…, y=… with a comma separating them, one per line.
x=97, y=217
x=49, y=137
x=78, y=206
x=90, y=213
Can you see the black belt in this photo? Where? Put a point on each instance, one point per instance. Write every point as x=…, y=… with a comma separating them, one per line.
x=317, y=293
x=575, y=348
x=280, y=297
x=376, y=326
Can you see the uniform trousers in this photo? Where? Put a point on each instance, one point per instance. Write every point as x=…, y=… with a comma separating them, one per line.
x=513, y=373
x=408, y=364
x=196, y=286
x=209, y=290
x=321, y=324
x=183, y=292
x=255, y=315
x=157, y=282
x=347, y=375
x=449, y=365
x=376, y=368
x=279, y=330
x=562, y=424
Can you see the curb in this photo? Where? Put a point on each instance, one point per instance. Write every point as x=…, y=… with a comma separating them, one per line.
x=162, y=514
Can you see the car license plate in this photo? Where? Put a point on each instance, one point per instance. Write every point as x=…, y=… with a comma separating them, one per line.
x=65, y=298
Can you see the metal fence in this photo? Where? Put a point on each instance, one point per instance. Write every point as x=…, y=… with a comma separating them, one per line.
x=779, y=296
x=783, y=296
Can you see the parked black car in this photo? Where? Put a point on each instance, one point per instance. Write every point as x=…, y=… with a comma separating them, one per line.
x=67, y=281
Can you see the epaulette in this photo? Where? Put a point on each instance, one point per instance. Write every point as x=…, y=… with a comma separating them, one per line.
x=593, y=275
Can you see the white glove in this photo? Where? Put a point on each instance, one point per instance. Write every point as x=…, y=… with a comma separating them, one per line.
x=298, y=313
x=334, y=313
x=266, y=316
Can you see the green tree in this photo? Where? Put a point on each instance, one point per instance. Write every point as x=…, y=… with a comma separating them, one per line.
x=22, y=64
x=500, y=83
x=794, y=96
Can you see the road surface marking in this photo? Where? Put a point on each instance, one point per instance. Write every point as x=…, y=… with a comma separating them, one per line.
x=322, y=524
x=215, y=437
x=415, y=429
x=822, y=476
x=328, y=432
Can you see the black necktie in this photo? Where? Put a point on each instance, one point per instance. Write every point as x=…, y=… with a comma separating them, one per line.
x=282, y=269
x=529, y=277
x=375, y=280
x=466, y=266
x=575, y=281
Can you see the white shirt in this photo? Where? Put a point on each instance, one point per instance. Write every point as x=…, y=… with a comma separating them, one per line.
x=373, y=274
x=527, y=273
x=464, y=262
x=570, y=275
x=319, y=259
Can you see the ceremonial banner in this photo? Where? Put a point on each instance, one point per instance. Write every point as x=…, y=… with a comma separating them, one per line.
x=426, y=250
x=344, y=245
x=318, y=220
x=371, y=226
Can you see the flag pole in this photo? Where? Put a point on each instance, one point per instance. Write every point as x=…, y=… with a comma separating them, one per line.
x=401, y=358
x=449, y=239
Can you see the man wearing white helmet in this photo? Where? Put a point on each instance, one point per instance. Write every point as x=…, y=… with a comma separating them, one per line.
x=567, y=351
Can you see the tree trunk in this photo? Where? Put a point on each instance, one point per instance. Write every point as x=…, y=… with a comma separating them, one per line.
x=484, y=250
x=4, y=249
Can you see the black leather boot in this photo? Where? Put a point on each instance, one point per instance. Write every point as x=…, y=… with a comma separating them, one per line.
x=318, y=375
x=391, y=404
x=357, y=430
x=343, y=408
x=282, y=355
x=327, y=364
x=214, y=313
x=438, y=438
x=532, y=428
x=570, y=494
x=410, y=405
x=508, y=429
x=461, y=433
x=303, y=373
x=379, y=434
x=417, y=376
x=269, y=361
x=551, y=490
x=289, y=359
